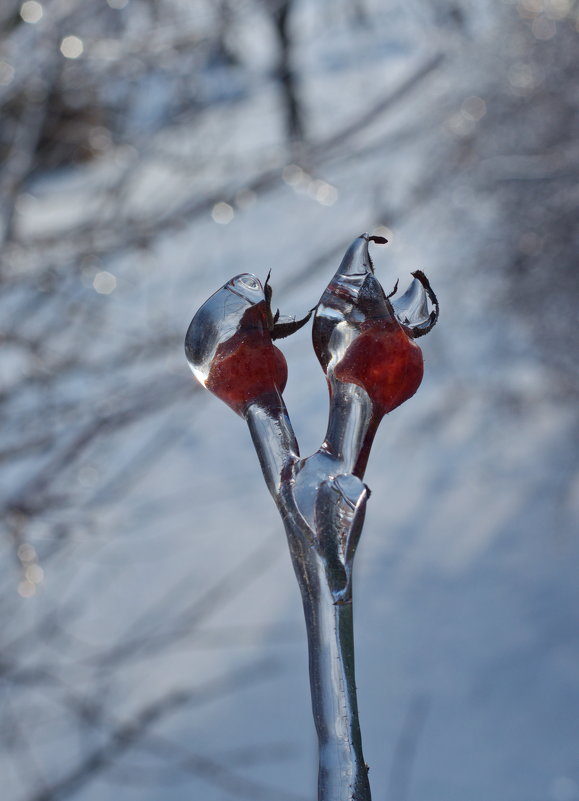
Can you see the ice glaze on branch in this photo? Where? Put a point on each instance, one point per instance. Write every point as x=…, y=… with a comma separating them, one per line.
x=364, y=342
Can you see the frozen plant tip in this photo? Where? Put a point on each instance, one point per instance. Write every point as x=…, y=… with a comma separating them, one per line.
x=364, y=340
x=229, y=343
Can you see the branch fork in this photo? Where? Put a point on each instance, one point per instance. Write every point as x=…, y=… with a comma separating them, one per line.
x=364, y=340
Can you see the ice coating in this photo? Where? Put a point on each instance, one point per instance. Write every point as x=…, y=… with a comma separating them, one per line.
x=362, y=337
x=229, y=348
x=417, y=308
x=366, y=348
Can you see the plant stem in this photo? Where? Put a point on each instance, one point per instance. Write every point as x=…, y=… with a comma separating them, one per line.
x=343, y=775
x=322, y=509
x=274, y=441
x=352, y=425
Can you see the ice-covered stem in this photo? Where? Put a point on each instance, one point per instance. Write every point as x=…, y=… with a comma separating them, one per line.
x=365, y=345
x=275, y=443
x=323, y=519
x=342, y=773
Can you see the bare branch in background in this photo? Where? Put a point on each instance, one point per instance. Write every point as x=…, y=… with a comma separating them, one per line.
x=130, y=133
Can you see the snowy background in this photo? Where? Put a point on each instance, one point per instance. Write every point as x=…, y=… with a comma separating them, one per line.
x=151, y=640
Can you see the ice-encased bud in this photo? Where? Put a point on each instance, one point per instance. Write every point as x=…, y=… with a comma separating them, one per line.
x=361, y=338
x=228, y=345
x=352, y=296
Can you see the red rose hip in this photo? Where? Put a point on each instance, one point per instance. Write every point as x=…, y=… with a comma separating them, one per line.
x=229, y=346
x=385, y=362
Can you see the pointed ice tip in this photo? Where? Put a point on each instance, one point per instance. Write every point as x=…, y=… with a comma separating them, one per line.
x=357, y=260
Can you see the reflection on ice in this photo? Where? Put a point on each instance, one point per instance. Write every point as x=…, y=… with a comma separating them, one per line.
x=218, y=319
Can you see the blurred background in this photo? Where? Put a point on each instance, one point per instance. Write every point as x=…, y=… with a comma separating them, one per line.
x=151, y=638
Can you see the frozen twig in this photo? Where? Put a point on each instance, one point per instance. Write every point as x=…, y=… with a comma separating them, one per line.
x=365, y=345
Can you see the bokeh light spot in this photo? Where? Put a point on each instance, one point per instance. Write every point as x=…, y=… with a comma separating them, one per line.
x=323, y=192
x=222, y=213
x=557, y=9
x=26, y=589
x=31, y=11
x=474, y=107
x=523, y=78
x=293, y=175
x=104, y=282
x=529, y=8
x=34, y=573
x=26, y=552
x=100, y=138
x=71, y=47
x=461, y=124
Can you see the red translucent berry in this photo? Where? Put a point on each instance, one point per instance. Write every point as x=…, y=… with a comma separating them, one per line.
x=245, y=369
x=386, y=362
x=229, y=345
